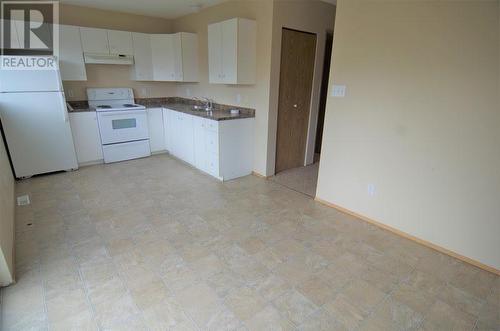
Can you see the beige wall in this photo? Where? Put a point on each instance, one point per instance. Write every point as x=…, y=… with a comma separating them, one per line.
x=420, y=121
x=6, y=218
x=114, y=75
x=108, y=75
x=308, y=16
x=254, y=96
x=105, y=19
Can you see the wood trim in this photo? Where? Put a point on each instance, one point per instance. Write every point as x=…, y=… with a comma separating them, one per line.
x=412, y=238
x=256, y=174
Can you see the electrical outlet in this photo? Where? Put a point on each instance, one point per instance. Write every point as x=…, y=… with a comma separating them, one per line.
x=23, y=200
x=338, y=91
x=70, y=93
x=371, y=190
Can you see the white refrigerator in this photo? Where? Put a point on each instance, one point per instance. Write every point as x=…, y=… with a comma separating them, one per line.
x=35, y=122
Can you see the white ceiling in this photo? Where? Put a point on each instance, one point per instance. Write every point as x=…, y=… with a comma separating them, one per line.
x=160, y=8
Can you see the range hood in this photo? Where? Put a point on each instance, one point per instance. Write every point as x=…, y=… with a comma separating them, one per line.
x=97, y=58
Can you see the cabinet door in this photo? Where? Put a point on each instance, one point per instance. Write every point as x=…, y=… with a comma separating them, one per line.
x=143, y=61
x=17, y=26
x=188, y=139
x=215, y=53
x=167, y=130
x=86, y=137
x=163, y=57
x=200, y=151
x=120, y=42
x=189, y=57
x=176, y=134
x=156, y=131
x=94, y=40
x=71, y=60
x=213, y=164
x=229, y=51
x=177, y=56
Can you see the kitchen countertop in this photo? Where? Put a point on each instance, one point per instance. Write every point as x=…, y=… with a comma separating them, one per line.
x=216, y=115
x=220, y=112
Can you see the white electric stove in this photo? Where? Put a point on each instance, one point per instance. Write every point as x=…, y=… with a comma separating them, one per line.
x=123, y=125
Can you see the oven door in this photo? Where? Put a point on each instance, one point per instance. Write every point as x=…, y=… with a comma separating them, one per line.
x=123, y=126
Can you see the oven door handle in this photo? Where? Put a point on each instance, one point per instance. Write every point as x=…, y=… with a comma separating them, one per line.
x=121, y=112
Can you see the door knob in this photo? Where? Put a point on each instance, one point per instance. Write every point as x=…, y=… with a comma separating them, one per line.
x=295, y=106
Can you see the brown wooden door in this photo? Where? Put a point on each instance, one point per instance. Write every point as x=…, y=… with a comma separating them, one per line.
x=298, y=50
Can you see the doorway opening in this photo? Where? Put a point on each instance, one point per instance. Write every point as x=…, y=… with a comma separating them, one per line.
x=298, y=51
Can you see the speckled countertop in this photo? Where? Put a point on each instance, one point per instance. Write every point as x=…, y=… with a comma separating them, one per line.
x=220, y=113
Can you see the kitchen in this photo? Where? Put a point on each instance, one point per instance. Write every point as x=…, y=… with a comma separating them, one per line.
x=111, y=125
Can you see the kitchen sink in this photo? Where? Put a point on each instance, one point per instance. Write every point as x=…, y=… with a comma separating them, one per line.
x=201, y=108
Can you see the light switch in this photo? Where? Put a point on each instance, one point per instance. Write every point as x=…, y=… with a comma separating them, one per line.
x=371, y=189
x=338, y=91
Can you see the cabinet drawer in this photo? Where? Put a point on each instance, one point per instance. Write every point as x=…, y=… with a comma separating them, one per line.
x=212, y=139
x=213, y=164
x=212, y=125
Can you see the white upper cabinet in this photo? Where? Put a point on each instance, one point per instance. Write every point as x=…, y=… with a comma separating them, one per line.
x=229, y=51
x=143, y=61
x=120, y=42
x=163, y=57
x=186, y=60
x=175, y=57
x=71, y=55
x=94, y=40
x=103, y=41
x=232, y=51
x=214, y=53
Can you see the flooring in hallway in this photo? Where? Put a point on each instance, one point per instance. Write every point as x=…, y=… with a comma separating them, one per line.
x=153, y=244
x=302, y=179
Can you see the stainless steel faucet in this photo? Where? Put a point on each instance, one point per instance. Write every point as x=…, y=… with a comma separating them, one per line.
x=209, y=104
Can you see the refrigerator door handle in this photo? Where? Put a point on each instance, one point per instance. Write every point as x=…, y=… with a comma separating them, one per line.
x=64, y=108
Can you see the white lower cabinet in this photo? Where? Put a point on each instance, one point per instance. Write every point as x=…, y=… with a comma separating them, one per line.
x=223, y=149
x=86, y=137
x=156, y=133
x=181, y=136
x=213, y=165
x=200, y=152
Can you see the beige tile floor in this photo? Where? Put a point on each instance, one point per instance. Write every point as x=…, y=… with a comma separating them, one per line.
x=152, y=244
x=302, y=179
